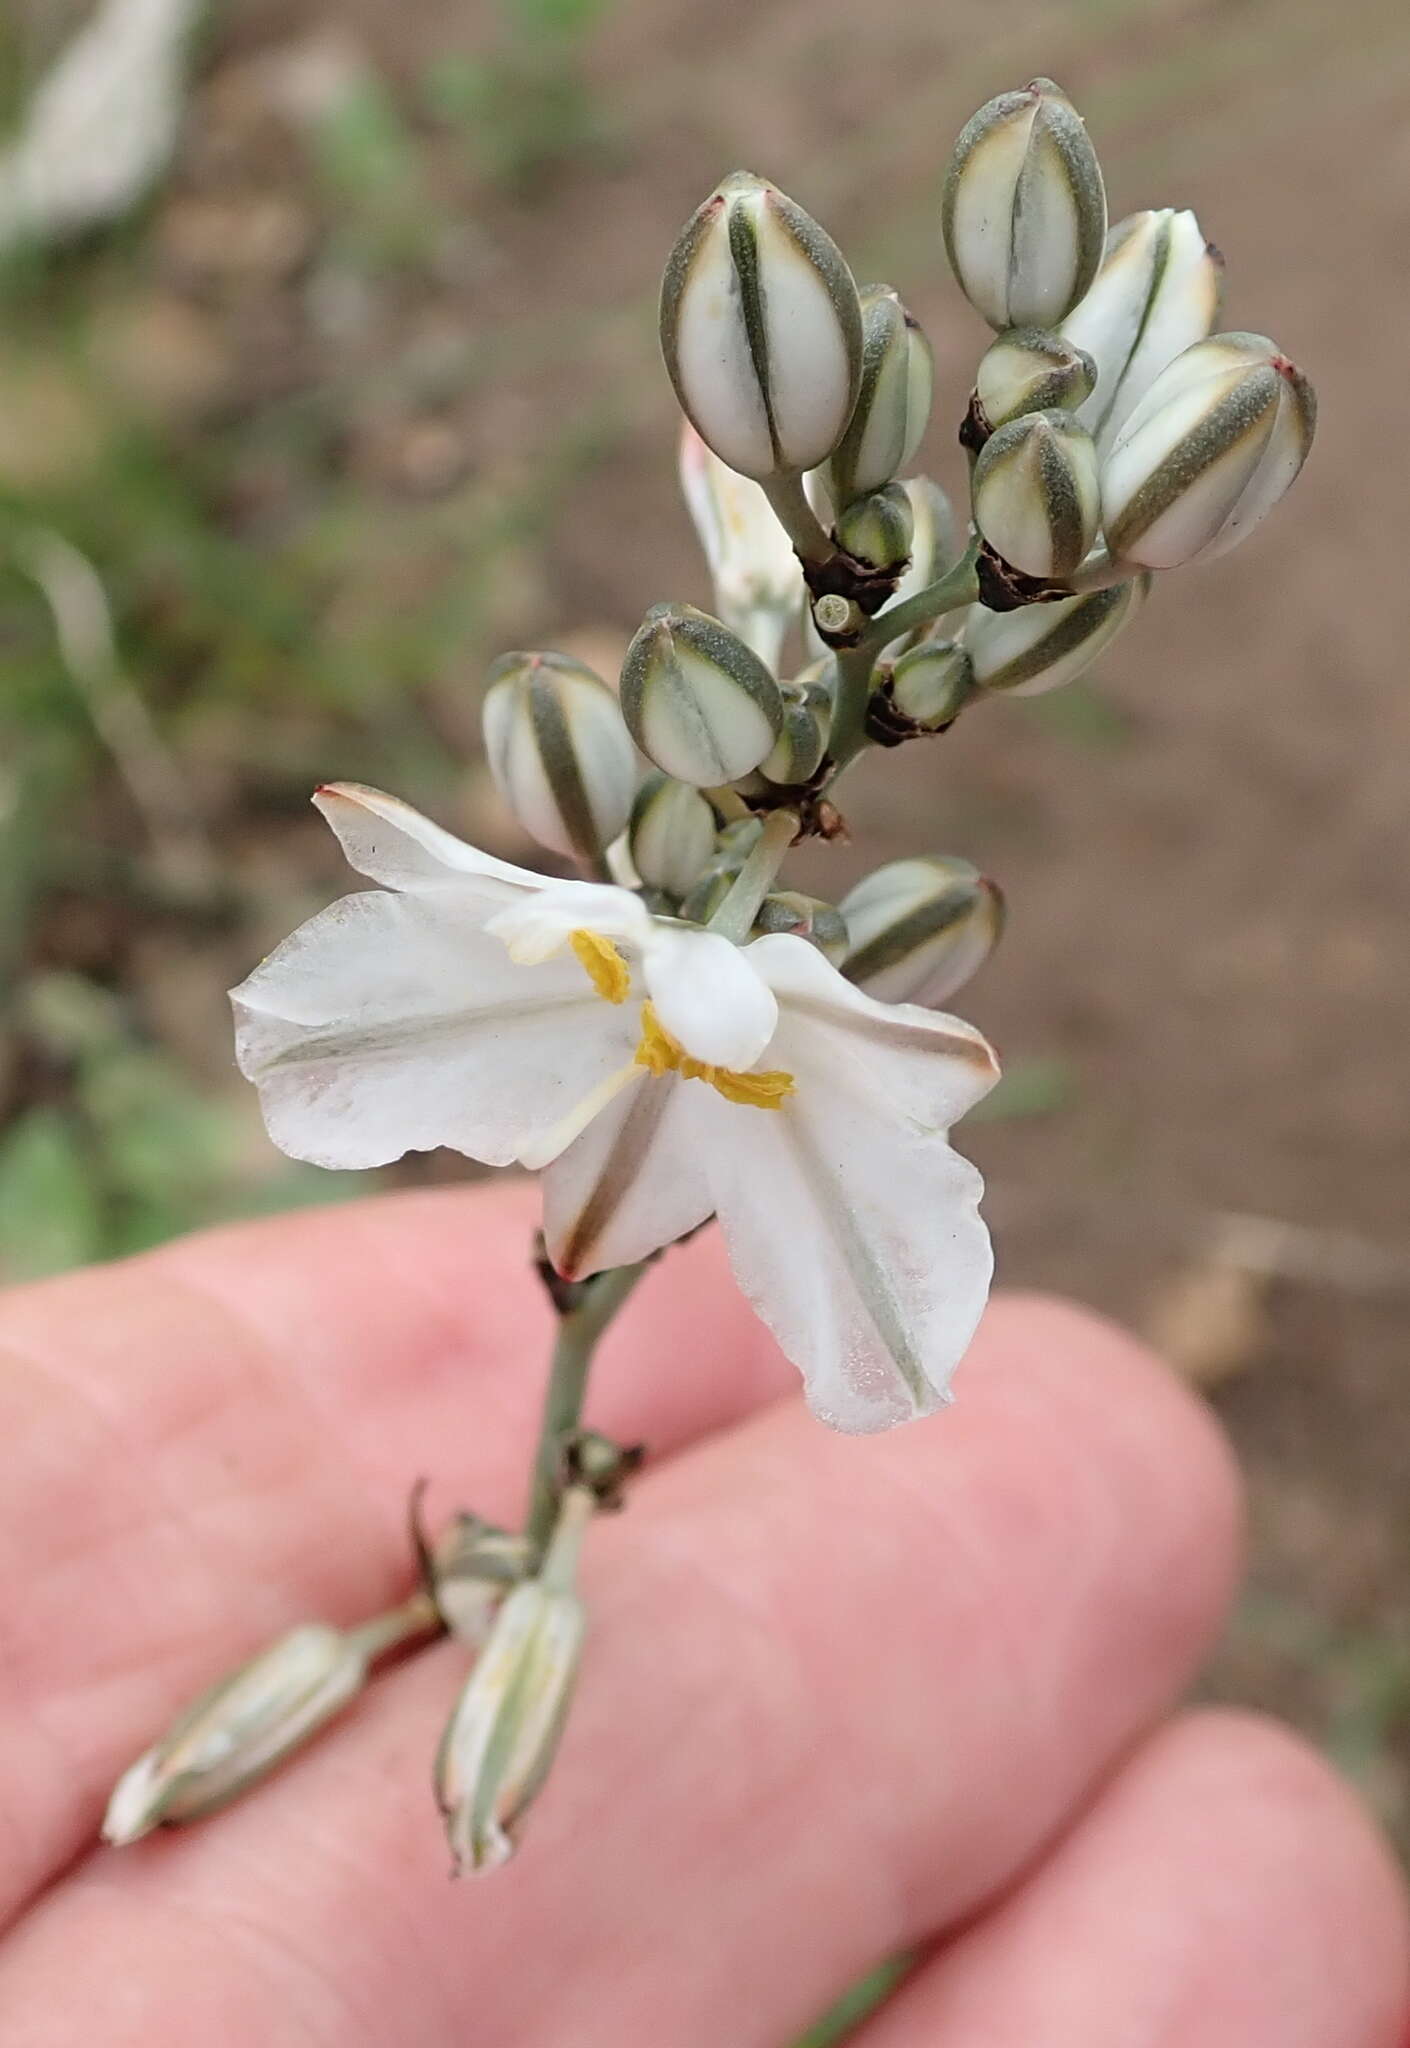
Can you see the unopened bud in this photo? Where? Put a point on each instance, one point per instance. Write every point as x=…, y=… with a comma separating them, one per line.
x=558, y=750
x=501, y=1739
x=1207, y=454
x=1156, y=294
x=1027, y=370
x=920, y=928
x=672, y=834
x=877, y=529
x=699, y=703
x=1037, y=500
x=761, y=330
x=753, y=567
x=893, y=404
x=797, y=753
x=239, y=1730
x=1024, y=211
x=1042, y=646
x=930, y=684
x=806, y=917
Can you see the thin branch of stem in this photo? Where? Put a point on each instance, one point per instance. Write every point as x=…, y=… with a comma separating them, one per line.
x=416, y=1616
x=847, y=735
x=755, y=879
x=797, y=517
x=956, y=587
x=578, y=1334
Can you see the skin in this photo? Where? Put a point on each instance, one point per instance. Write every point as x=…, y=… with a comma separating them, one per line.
x=842, y=1697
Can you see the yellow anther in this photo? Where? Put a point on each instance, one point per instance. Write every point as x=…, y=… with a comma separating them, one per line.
x=659, y=1053
x=607, y=970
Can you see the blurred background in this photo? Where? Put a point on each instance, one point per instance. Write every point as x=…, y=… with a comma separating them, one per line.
x=355, y=384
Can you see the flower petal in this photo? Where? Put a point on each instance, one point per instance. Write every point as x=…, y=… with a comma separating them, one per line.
x=633, y=1181
x=538, y=926
x=709, y=996
x=391, y=1024
x=391, y=843
x=852, y=1227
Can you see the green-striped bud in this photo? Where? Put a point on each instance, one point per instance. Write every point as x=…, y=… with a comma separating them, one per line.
x=761, y=330
x=935, y=544
x=1024, y=210
x=1037, y=499
x=559, y=752
x=930, y=684
x=671, y=836
x=706, y=897
x=806, y=917
x=797, y=753
x=239, y=1730
x=757, y=580
x=500, y=1742
x=878, y=529
x=1026, y=370
x=1208, y=452
x=893, y=404
x=1156, y=294
x=920, y=928
x=1042, y=646
x=698, y=702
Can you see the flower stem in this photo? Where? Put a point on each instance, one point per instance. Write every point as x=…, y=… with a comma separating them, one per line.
x=755, y=879
x=849, y=704
x=956, y=587
x=797, y=518
x=416, y=1616
x=578, y=1335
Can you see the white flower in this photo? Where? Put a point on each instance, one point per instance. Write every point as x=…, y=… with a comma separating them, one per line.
x=659, y=1074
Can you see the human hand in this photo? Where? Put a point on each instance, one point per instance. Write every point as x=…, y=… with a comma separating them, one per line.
x=841, y=1697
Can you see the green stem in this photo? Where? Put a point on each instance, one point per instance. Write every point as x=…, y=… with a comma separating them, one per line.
x=755, y=879
x=797, y=517
x=956, y=587
x=578, y=1335
x=849, y=705
x=416, y=1616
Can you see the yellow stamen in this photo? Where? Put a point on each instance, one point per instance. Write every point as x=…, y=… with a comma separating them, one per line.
x=607, y=970
x=659, y=1053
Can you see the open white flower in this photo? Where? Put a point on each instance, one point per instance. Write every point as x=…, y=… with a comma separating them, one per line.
x=658, y=1074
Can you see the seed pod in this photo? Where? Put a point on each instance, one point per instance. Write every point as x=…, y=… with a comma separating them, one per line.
x=1024, y=210
x=672, y=834
x=238, y=1731
x=878, y=529
x=1037, y=500
x=931, y=684
x=893, y=404
x=755, y=572
x=761, y=330
x=807, y=917
x=698, y=702
x=1207, y=454
x=1042, y=646
x=559, y=752
x=1026, y=370
x=797, y=753
x=920, y=928
x=1156, y=294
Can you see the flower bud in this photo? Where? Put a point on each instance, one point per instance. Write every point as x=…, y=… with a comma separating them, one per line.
x=1156, y=294
x=761, y=330
x=500, y=1741
x=806, y=917
x=797, y=753
x=1037, y=499
x=878, y=529
x=698, y=702
x=935, y=545
x=1024, y=210
x=672, y=834
x=1042, y=646
x=238, y=1731
x=930, y=685
x=1206, y=455
x=1026, y=370
x=755, y=572
x=920, y=928
x=893, y=404
x=559, y=752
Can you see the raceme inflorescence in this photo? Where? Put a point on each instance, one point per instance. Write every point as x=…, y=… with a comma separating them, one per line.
x=668, y=1033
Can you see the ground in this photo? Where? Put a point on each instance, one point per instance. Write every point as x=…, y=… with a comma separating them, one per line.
x=370, y=390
